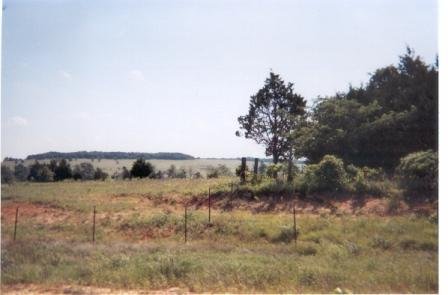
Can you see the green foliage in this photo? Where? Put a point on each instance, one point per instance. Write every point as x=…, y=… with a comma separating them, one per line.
x=141, y=169
x=110, y=155
x=236, y=254
x=125, y=174
x=7, y=175
x=273, y=112
x=62, y=171
x=40, y=172
x=84, y=171
x=286, y=235
x=418, y=173
x=218, y=171
x=327, y=176
x=21, y=172
x=100, y=174
x=377, y=124
x=197, y=175
x=272, y=170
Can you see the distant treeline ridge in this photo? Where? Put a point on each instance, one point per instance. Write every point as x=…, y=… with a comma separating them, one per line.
x=110, y=155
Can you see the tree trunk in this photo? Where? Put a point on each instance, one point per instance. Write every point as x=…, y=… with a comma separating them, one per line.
x=290, y=176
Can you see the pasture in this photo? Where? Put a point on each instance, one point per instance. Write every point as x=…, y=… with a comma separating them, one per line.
x=139, y=242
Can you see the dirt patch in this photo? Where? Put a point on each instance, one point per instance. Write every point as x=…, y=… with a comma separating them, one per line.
x=38, y=212
x=73, y=289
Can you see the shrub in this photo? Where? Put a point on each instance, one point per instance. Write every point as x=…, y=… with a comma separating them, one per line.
x=62, y=171
x=84, y=171
x=212, y=174
x=418, y=173
x=286, y=235
x=141, y=168
x=197, y=175
x=100, y=174
x=272, y=170
x=171, y=172
x=7, y=175
x=40, y=172
x=247, y=173
x=327, y=176
x=125, y=174
x=21, y=172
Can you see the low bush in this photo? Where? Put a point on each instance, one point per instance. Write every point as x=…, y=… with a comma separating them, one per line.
x=418, y=173
x=286, y=235
x=7, y=175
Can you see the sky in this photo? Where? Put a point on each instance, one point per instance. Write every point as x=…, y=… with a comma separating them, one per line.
x=173, y=76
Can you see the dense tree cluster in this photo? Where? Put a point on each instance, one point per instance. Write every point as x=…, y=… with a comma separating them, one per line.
x=373, y=125
x=376, y=124
x=53, y=171
x=110, y=155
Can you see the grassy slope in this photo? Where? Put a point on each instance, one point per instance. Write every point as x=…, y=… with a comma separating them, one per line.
x=140, y=243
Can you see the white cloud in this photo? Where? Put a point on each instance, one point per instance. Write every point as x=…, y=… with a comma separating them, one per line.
x=18, y=121
x=65, y=74
x=137, y=75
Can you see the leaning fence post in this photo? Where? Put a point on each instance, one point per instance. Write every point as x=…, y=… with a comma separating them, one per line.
x=15, y=223
x=94, y=221
x=243, y=171
x=255, y=178
x=209, y=220
x=185, y=224
x=295, y=225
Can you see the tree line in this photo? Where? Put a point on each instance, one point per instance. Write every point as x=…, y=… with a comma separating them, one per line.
x=110, y=155
x=376, y=125
x=62, y=170
x=394, y=114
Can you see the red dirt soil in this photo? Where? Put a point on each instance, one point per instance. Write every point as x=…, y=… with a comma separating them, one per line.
x=71, y=289
x=41, y=213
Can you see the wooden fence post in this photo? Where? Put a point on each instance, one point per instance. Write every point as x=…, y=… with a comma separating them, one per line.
x=295, y=225
x=209, y=219
x=255, y=170
x=243, y=171
x=15, y=223
x=185, y=224
x=94, y=222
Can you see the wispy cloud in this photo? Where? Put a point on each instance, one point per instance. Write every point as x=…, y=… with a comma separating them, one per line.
x=18, y=121
x=66, y=75
x=137, y=75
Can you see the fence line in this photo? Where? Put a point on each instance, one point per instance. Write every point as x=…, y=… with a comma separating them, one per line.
x=185, y=219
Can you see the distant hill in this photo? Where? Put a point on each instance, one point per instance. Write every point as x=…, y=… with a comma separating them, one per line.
x=110, y=155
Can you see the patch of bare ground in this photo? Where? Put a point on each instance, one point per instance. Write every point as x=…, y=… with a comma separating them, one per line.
x=45, y=214
x=28, y=289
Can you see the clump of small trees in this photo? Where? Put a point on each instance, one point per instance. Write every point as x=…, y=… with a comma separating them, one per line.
x=53, y=171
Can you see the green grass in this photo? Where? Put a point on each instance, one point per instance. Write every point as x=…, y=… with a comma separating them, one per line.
x=139, y=243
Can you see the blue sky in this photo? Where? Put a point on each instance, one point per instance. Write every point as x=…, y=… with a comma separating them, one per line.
x=163, y=75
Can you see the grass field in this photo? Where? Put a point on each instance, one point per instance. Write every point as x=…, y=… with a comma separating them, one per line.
x=140, y=242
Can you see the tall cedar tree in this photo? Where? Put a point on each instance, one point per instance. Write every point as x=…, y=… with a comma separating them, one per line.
x=273, y=112
x=141, y=169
